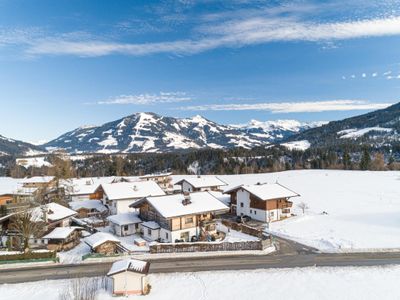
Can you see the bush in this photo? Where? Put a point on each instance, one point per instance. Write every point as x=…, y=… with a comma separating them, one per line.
x=28, y=256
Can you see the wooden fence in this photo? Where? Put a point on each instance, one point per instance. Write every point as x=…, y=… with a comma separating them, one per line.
x=205, y=247
x=243, y=228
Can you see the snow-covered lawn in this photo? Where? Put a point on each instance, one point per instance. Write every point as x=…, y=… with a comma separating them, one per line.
x=363, y=207
x=301, y=283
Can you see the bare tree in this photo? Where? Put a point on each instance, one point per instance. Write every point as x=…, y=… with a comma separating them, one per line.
x=303, y=206
x=27, y=226
x=84, y=288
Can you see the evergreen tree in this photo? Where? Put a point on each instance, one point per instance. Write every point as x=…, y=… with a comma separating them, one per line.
x=365, y=161
x=346, y=160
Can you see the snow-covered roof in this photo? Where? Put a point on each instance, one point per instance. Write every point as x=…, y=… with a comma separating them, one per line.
x=172, y=205
x=12, y=186
x=99, y=238
x=151, y=225
x=132, y=190
x=37, y=179
x=124, y=218
x=55, y=212
x=60, y=233
x=88, y=204
x=155, y=175
x=266, y=191
x=85, y=185
x=226, y=199
x=202, y=181
x=133, y=265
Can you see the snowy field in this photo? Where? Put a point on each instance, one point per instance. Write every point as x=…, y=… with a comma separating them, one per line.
x=363, y=207
x=301, y=283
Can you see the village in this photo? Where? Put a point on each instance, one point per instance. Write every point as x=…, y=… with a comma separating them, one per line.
x=79, y=219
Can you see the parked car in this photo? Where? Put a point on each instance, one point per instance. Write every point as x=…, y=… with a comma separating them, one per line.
x=240, y=219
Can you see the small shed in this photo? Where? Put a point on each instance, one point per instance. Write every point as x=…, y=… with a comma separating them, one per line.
x=129, y=277
x=103, y=243
x=63, y=238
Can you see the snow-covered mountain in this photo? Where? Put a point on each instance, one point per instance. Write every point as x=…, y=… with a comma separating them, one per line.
x=149, y=132
x=377, y=128
x=13, y=147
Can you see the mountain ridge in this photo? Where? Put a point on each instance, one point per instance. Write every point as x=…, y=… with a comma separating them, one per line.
x=150, y=132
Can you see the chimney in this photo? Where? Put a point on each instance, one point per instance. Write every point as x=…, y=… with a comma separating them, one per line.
x=198, y=176
x=45, y=211
x=135, y=188
x=186, y=199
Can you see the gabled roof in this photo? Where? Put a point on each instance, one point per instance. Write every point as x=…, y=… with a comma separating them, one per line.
x=55, y=212
x=132, y=190
x=88, y=204
x=84, y=185
x=202, y=181
x=124, y=219
x=100, y=238
x=37, y=179
x=132, y=265
x=172, y=205
x=156, y=175
x=60, y=233
x=266, y=191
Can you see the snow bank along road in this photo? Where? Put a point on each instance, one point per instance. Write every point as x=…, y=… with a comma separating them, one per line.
x=172, y=265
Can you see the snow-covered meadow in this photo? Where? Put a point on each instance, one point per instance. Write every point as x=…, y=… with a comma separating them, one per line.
x=300, y=283
x=363, y=207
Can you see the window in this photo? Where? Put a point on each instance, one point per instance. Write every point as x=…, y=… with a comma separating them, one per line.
x=148, y=231
x=271, y=213
x=241, y=204
x=189, y=220
x=251, y=211
x=255, y=212
x=166, y=235
x=126, y=227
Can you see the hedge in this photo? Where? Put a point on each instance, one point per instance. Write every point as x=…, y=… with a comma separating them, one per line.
x=29, y=256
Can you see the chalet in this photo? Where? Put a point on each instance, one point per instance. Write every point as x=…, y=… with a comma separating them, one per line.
x=13, y=196
x=200, y=184
x=62, y=238
x=118, y=196
x=164, y=180
x=38, y=182
x=125, y=224
x=129, y=277
x=77, y=189
x=54, y=215
x=103, y=243
x=88, y=208
x=263, y=202
x=179, y=217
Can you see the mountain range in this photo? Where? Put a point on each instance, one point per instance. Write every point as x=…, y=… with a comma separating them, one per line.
x=150, y=132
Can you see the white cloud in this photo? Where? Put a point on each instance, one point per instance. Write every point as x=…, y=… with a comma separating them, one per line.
x=237, y=32
x=364, y=75
x=147, y=99
x=293, y=107
x=374, y=74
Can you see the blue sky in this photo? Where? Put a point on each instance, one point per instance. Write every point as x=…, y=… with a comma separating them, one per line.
x=69, y=63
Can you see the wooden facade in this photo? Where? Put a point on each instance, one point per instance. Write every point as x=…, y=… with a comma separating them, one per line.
x=108, y=247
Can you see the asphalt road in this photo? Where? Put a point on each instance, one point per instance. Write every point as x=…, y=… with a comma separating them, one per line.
x=288, y=255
